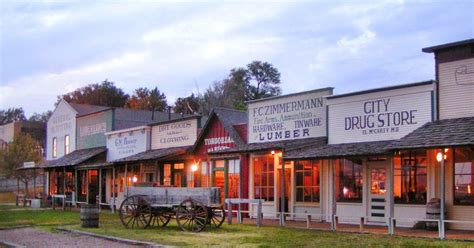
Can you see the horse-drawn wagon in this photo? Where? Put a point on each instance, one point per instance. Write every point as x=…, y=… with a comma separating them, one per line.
x=193, y=208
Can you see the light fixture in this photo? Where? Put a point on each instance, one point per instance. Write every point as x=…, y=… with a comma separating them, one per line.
x=439, y=157
x=134, y=179
x=194, y=167
x=273, y=152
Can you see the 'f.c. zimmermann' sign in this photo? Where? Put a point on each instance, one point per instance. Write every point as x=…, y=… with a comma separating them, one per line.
x=297, y=116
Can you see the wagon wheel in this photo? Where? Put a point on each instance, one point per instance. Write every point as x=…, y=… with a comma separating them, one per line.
x=216, y=216
x=161, y=218
x=192, y=216
x=135, y=212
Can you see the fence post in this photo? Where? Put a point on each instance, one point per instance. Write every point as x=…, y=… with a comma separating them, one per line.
x=361, y=225
x=229, y=212
x=259, y=213
x=308, y=221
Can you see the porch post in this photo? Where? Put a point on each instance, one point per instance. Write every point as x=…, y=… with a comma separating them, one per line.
x=74, y=197
x=100, y=188
x=334, y=205
x=282, y=195
x=126, y=181
x=391, y=209
x=34, y=182
x=87, y=186
x=113, y=189
x=64, y=187
x=442, y=203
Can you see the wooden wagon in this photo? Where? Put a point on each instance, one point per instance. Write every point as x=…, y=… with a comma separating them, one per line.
x=193, y=208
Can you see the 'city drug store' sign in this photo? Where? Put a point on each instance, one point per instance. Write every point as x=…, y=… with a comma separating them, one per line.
x=387, y=117
x=297, y=116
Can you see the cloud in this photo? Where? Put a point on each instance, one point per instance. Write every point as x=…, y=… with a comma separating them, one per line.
x=49, y=20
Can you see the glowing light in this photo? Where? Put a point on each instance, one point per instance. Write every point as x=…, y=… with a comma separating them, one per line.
x=469, y=189
x=273, y=152
x=134, y=179
x=345, y=191
x=194, y=167
x=446, y=150
x=439, y=157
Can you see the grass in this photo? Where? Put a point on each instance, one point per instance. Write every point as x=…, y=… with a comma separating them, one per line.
x=227, y=235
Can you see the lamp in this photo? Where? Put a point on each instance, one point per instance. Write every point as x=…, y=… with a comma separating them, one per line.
x=273, y=152
x=194, y=167
x=134, y=179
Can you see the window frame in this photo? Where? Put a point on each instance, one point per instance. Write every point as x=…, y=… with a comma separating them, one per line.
x=313, y=164
x=412, y=155
x=67, y=149
x=55, y=147
x=455, y=203
x=340, y=191
x=269, y=187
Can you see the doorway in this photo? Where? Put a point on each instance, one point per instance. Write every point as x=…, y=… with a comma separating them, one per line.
x=287, y=188
x=377, y=192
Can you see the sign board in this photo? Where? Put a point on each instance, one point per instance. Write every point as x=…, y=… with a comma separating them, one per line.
x=174, y=134
x=91, y=129
x=380, y=115
x=296, y=116
x=127, y=142
x=218, y=143
x=29, y=164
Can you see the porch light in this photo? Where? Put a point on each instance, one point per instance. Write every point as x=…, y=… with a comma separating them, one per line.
x=345, y=191
x=439, y=156
x=273, y=152
x=134, y=179
x=194, y=167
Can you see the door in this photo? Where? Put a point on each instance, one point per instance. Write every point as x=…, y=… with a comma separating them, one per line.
x=219, y=177
x=287, y=188
x=377, y=193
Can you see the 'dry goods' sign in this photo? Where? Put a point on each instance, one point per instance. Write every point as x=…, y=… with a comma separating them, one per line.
x=296, y=116
x=174, y=134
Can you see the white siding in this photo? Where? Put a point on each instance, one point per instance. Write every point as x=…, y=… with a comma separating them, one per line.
x=456, y=89
x=174, y=134
x=61, y=123
x=415, y=102
x=285, y=118
x=7, y=132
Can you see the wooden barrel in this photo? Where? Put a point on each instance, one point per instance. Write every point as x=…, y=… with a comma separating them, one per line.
x=433, y=210
x=89, y=216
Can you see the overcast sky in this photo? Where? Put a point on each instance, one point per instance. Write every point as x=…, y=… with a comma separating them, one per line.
x=49, y=48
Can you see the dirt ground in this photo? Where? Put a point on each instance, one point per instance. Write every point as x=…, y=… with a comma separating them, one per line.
x=32, y=237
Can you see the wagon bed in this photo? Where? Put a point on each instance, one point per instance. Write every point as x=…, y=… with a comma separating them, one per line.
x=193, y=208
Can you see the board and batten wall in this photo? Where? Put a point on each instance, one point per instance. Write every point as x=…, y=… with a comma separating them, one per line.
x=174, y=134
x=61, y=123
x=296, y=116
x=456, y=89
x=127, y=142
x=379, y=115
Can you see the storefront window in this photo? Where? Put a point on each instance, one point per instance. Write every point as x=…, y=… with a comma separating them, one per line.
x=82, y=187
x=307, y=181
x=204, y=177
x=167, y=175
x=464, y=176
x=349, y=180
x=263, y=170
x=234, y=178
x=410, y=177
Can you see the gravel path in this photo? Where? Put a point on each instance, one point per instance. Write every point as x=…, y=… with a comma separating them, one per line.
x=31, y=237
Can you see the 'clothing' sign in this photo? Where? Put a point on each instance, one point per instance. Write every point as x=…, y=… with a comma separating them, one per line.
x=284, y=118
x=174, y=134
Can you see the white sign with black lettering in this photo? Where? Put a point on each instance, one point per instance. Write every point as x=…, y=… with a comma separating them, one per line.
x=174, y=134
x=378, y=116
x=127, y=143
x=296, y=116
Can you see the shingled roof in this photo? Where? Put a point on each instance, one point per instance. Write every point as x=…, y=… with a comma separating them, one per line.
x=85, y=109
x=442, y=133
x=155, y=154
x=229, y=118
x=277, y=145
x=339, y=150
x=74, y=158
